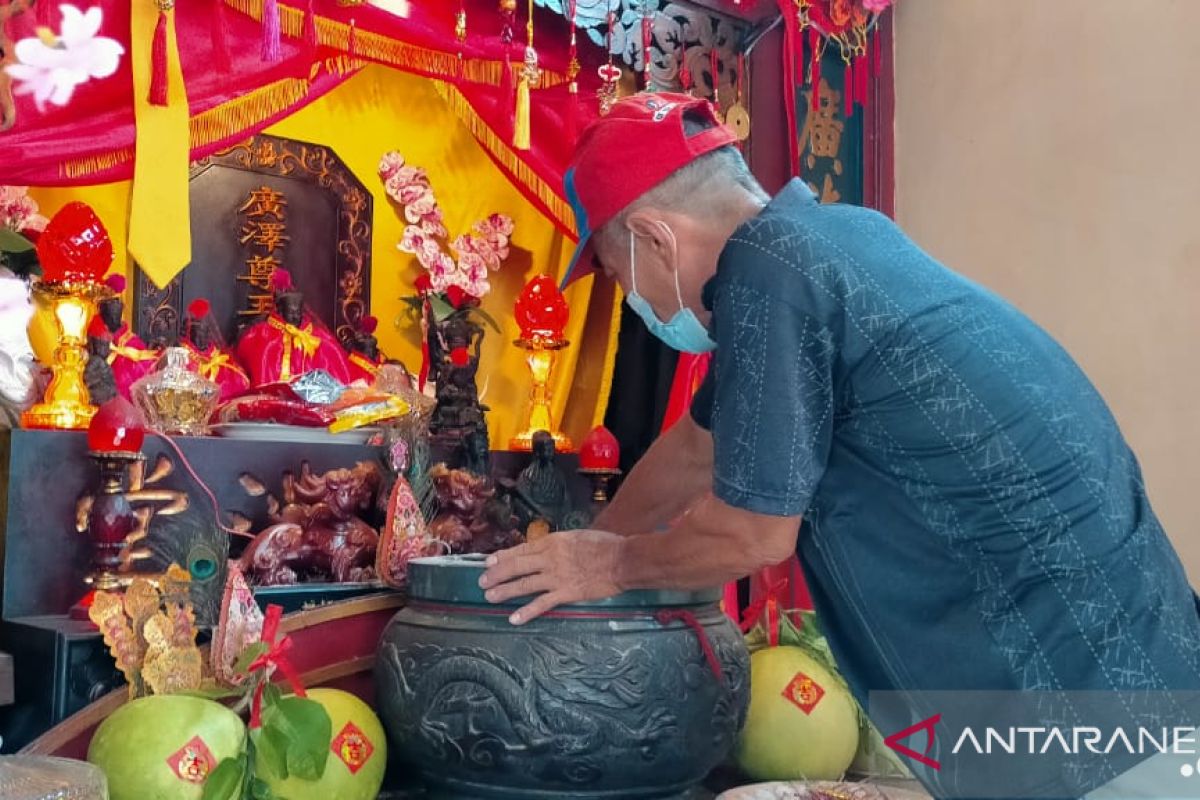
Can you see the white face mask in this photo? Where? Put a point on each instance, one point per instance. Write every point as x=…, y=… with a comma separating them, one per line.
x=683, y=332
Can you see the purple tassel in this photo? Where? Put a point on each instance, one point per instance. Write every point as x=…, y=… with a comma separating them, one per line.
x=272, y=49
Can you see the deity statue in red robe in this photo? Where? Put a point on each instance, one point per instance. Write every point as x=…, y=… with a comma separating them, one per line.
x=213, y=361
x=365, y=358
x=289, y=342
x=128, y=355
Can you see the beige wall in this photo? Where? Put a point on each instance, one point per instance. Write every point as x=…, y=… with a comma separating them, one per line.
x=1050, y=149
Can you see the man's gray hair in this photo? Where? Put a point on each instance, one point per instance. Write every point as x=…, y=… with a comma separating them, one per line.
x=700, y=188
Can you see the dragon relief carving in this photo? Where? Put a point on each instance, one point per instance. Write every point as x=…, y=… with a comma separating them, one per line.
x=581, y=706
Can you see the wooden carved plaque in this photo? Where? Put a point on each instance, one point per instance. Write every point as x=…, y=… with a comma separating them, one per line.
x=267, y=202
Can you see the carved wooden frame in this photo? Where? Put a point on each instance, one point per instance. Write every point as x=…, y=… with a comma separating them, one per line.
x=158, y=311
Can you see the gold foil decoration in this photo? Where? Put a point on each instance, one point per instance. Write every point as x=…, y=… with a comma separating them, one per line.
x=151, y=632
x=108, y=612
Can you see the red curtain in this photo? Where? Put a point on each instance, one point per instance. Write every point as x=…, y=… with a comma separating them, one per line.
x=91, y=140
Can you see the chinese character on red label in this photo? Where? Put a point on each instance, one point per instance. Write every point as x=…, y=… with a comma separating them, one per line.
x=193, y=761
x=353, y=747
x=803, y=692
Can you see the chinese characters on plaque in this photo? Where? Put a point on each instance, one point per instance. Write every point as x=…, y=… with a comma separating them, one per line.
x=831, y=145
x=264, y=235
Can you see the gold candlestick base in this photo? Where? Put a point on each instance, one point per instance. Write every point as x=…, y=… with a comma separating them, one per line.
x=67, y=404
x=539, y=356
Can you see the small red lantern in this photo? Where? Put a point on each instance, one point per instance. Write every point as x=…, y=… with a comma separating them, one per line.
x=541, y=310
x=600, y=450
x=75, y=247
x=117, y=429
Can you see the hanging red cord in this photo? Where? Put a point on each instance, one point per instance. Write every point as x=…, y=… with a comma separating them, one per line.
x=647, y=41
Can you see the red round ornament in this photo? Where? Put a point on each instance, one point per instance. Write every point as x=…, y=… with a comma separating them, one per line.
x=600, y=450
x=541, y=310
x=116, y=428
x=75, y=246
x=459, y=357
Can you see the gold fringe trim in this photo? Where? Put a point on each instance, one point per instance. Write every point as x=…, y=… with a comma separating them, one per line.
x=502, y=151
x=251, y=108
x=80, y=167
x=610, y=358
x=219, y=122
x=376, y=47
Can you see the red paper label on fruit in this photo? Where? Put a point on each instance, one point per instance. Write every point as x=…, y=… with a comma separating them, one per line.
x=803, y=692
x=193, y=761
x=353, y=747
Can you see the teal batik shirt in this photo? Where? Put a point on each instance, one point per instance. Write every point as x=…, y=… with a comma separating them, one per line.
x=973, y=518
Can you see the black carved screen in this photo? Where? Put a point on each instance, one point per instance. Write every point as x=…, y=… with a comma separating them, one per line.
x=268, y=202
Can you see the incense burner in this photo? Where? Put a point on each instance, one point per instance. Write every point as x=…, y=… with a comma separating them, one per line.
x=637, y=696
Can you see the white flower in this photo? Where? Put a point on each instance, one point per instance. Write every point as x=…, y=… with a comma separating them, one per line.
x=389, y=164
x=51, y=71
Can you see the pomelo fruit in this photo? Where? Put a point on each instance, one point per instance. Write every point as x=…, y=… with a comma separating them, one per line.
x=358, y=757
x=163, y=747
x=802, y=723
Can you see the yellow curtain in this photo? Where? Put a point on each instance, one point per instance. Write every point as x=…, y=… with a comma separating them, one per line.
x=381, y=109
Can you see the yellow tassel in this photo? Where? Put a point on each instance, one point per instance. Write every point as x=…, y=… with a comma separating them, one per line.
x=521, y=128
x=501, y=150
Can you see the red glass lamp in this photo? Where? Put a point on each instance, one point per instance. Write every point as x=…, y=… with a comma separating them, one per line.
x=600, y=459
x=115, y=437
x=542, y=314
x=74, y=252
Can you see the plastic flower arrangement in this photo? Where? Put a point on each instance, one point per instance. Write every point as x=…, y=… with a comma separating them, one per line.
x=456, y=272
x=51, y=66
x=20, y=226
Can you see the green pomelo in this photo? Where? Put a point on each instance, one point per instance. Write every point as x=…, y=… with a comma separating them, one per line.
x=162, y=747
x=357, y=758
x=802, y=724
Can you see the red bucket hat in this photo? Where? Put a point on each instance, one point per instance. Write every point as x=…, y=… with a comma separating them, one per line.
x=627, y=153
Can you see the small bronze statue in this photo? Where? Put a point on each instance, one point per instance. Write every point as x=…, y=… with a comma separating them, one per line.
x=98, y=373
x=541, y=489
x=477, y=454
x=454, y=354
x=317, y=535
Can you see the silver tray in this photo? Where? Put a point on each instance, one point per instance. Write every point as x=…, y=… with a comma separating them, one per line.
x=296, y=434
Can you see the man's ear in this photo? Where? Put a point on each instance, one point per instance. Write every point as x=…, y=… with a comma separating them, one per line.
x=646, y=226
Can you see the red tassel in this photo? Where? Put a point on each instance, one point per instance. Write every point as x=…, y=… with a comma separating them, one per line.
x=158, y=62
x=789, y=90
x=571, y=118
x=309, y=32
x=45, y=13
x=220, y=38
x=508, y=93
x=352, y=41
x=848, y=90
x=272, y=48
x=863, y=70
